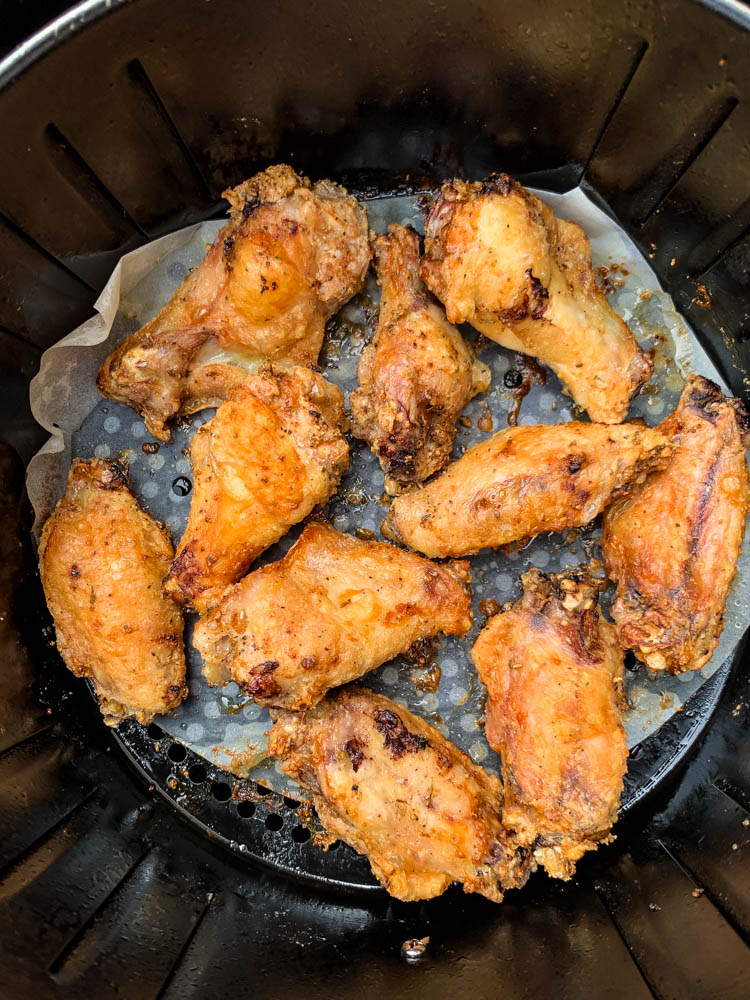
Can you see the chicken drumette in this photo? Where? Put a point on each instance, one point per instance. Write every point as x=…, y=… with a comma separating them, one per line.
x=102, y=561
x=272, y=453
x=498, y=258
x=672, y=546
x=289, y=257
x=553, y=669
x=416, y=375
x=523, y=481
x=332, y=609
x=390, y=785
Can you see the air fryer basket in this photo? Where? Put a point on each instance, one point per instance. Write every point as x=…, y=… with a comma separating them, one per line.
x=128, y=865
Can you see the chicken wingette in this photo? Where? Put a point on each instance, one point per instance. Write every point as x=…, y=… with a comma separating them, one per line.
x=290, y=256
x=497, y=257
x=332, y=609
x=553, y=669
x=396, y=790
x=417, y=374
x=672, y=545
x=102, y=561
x=273, y=452
x=523, y=481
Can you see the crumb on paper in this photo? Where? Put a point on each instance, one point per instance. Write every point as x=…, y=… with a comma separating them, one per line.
x=485, y=422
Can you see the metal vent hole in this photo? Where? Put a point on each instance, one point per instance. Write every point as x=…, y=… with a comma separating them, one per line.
x=221, y=791
x=177, y=753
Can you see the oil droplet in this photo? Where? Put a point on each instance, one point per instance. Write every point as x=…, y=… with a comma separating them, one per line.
x=413, y=949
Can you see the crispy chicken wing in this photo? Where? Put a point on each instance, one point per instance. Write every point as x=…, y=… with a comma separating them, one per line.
x=523, y=481
x=672, y=546
x=272, y=453
x=102, y=561
x=333, y=608
x=553, y=669
x=390, y=785
x=289, y=257
x=497, y=257
x=417, y=374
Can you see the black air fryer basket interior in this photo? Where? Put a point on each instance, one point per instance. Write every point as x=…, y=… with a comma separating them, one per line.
x=130, y=867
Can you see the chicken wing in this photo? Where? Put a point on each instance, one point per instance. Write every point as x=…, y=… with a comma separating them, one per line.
x=417, y=374
x=497, y=257
x=102, y=561
x=523, y=481
x=390, y=785
x=553, y=669
x=272, y=453
x=672, y=546
x=333, y=608
x=289, y=257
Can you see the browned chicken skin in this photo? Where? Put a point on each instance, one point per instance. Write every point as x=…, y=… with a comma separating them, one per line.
x=102, y=561
x=273, y=452
x=498, y=258
x=672, y=546
x=289, y=257
x=553, y=669
x=523, y=481
x=417, y=374
x=390, y=785
x=331, y=610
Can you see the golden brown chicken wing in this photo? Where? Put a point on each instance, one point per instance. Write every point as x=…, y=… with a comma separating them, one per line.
x=333, y=608
x=553, y=669
x=289, y=257
x=497, y=257
x=390, y=785
x=417, y=374
x=672, y=546
x=273, y=452
x=102, y=561
x=523, y=481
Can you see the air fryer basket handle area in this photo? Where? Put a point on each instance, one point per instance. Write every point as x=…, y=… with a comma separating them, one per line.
x=126, y=121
